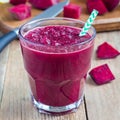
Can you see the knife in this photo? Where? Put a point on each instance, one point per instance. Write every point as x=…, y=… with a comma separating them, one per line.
x=50, y=12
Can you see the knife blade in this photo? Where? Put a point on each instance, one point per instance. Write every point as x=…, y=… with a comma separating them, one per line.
x=50, y=12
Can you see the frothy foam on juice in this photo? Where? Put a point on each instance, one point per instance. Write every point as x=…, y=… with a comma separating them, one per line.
x=56, y=35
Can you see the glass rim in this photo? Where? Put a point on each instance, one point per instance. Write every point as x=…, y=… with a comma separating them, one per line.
x=56, y=18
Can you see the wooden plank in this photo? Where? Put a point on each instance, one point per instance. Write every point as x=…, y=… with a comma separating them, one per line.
x=16, y=102
x=103, y=102
x=3, y=63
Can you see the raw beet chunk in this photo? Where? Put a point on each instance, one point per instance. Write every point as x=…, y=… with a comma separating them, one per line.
x=43, y=4
x=72, y=11
x=106, y=51
x=111, y=4
x=101, y=74
x=16, y=2
x=96, y=4
x=20, y=12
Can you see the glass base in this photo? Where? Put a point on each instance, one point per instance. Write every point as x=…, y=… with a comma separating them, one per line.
x=42, y=108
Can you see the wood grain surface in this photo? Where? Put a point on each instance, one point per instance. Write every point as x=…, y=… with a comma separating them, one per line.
x=103, y=102
x=108, y=22
x=100, y=102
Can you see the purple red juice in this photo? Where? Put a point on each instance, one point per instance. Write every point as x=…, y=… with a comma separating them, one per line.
x=57, y=63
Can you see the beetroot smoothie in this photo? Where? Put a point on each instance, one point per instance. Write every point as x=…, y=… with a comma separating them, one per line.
x=57, y=63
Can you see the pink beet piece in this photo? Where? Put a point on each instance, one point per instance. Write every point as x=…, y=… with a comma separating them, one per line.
x=101, y=74
x=20, y=12
x=16, y=2
x=111, y=4
x=98, y=5
x=43, y=4
x=106, y=51
x=72, y=11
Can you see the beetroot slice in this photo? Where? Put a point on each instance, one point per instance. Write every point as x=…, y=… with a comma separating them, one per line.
x=43, y=4
x=111, y=4
x=101, y=74
x=72, y=11
x=16, y=2
x=98, y=5
x=106, y=51
x=20, y=12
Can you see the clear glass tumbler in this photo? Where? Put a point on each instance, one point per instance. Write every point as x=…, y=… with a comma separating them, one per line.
x=57, y=61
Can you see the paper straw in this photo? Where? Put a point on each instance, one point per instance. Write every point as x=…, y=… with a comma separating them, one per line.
x=89, y=22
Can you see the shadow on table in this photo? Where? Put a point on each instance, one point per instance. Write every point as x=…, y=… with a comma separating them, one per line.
x=90, y=81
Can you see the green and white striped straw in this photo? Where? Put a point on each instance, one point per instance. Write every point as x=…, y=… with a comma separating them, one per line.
x=89, y=22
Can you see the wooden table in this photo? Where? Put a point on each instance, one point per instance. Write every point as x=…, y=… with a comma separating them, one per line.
x=100, y=102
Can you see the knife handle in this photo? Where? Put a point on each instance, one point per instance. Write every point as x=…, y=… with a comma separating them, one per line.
x=6, y=39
